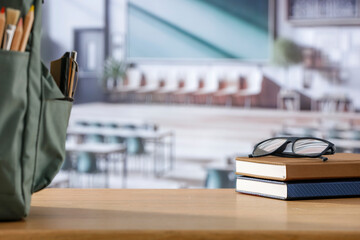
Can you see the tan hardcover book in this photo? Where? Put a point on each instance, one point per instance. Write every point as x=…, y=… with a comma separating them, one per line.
x=339, y=165
x=55, y=69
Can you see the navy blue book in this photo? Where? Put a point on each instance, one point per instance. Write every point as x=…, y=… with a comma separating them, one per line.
x=298, y=190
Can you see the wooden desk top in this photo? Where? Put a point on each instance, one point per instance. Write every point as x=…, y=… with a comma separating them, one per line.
x=182, y=214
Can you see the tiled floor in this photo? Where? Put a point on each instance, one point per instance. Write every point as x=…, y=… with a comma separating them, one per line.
x=205, y=136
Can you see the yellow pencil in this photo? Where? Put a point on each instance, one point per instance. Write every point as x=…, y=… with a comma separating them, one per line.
x=28, y=23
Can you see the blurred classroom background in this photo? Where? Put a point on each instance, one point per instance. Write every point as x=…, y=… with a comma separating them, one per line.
x=170, y=92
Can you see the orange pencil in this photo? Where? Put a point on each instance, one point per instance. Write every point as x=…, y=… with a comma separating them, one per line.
x=28, y=23
x=2, y=24
x=17, y=36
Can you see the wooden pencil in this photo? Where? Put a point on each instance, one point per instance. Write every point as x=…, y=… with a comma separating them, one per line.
x=2, y=24
x=12, y=17
x=28, y=23
x=17, y=36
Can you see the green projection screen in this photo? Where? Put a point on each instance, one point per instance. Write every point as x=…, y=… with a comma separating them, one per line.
x=199, y=29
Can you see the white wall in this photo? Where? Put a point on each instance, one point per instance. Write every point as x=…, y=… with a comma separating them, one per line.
x=341, y=44
x=118, y=27
x=61, y=18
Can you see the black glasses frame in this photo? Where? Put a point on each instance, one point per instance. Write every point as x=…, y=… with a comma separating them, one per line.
x=330, y=149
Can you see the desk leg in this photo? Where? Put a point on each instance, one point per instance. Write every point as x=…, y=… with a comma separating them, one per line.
x=163, y=157
x=247, y=102
x=124, y=169
x=172, y=151
x=298, y=103
x=279, y=101
x=155, y=156
x=72, y=171
x=107, y=180
x=208, y=100
x=313, y=105
x=228, y=101
x=351, y=107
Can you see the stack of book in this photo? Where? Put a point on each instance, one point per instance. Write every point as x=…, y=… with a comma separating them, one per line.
x=299, y=178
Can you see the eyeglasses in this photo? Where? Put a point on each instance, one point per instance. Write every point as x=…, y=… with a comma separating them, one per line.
x=300, y=147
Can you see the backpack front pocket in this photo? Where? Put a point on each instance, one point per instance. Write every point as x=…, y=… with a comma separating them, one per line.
x=55, y=113
x=13, y=104
x=52, y=137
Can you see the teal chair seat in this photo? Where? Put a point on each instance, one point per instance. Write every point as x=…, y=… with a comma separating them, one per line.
x=86, y=163
x=135, y=146
x=115, y=139
x=88, y=124
x=111, y=125
x=94, y=138
x=129, y=126
x=220, y=178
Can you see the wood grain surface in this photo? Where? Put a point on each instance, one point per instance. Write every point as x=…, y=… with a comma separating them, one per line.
x=181, y=214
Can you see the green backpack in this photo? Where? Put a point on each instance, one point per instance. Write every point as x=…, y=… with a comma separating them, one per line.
x=34, y=116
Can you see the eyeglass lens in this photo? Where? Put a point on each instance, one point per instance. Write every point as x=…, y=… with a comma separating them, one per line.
x=268, y=147
x=309, y=147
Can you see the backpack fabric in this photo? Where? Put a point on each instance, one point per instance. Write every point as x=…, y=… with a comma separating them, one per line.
x=34, y=116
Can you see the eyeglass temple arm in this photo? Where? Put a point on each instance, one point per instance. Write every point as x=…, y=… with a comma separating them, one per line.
x=323, y=158
x=330, y=151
